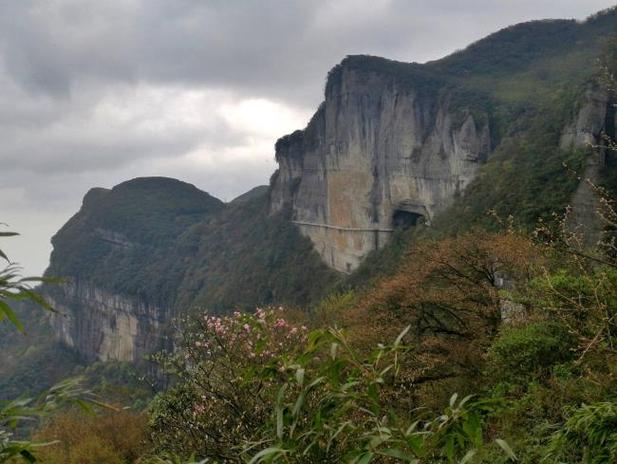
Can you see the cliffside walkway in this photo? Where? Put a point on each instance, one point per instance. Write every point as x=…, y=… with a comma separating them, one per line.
x=345, y=229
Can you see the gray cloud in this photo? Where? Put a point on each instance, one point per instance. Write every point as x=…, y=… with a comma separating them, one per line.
x=274, y=47
x=94, y=92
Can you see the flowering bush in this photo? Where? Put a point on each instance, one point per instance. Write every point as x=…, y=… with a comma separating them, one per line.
x=264, y=336
x=257, y=388
x=226, y=370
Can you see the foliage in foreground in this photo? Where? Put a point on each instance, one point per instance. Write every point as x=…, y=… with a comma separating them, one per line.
x=226, y=372
x=112, y=437
x=15, y=413
x=523, y=330
x=256, y=388
x=335, y=406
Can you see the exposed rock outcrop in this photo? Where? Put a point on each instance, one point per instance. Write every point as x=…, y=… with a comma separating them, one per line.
x=118, y=287
x=592, y=126
x=112, y=327
x=376, y=148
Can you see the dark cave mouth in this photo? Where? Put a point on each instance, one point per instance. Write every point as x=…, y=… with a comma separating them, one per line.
x=402, y=219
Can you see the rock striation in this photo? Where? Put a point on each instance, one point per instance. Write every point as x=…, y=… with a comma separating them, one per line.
x=590, y=129
x=113, y=327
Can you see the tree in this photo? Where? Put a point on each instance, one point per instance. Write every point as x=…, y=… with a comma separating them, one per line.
x=453, y=293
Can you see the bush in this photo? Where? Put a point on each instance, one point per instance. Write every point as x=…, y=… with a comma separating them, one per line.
x=225, y=372
x=519, y=354
x=589, y=435
x=336, y=406
x=116, y=437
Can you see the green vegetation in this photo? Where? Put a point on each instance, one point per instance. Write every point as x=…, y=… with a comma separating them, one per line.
x=31, y=360
x=484, y=339
x=530, y=351
x=534, y=366
x=165, y=242
x=588, y=435
x=265, y=261
x=120, y=237
x=258, y=389
x=14, y=413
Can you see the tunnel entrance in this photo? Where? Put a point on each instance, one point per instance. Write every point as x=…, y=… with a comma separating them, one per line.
x=405, y=219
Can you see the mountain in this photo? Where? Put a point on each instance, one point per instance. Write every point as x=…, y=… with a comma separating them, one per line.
x=394, y=144
x=150, y=249
x=394, y=149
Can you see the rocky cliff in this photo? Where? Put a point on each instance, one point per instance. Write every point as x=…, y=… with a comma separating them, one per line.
x=376, y=155
x=110, y=255
x=102, y=325
x=394, y=144
x=593, y=125
x=150, y=249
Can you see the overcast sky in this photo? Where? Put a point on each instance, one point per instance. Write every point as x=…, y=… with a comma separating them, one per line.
x=95, y=92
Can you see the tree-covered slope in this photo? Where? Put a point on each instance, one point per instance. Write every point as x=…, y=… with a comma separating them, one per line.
x=170, y=244
x=245, y=258
x=120, y=236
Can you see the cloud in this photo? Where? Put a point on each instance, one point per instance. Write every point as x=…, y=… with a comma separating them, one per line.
x=95, y=92
x=276, y=48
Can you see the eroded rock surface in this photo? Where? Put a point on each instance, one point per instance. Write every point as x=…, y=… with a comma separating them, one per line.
x=113, y=327
x=375, y=149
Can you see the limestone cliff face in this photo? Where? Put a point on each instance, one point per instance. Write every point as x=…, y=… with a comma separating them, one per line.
x=116, y=258
x=594, y=115
x=376, y=154
x=101, y=325
x=592, y=125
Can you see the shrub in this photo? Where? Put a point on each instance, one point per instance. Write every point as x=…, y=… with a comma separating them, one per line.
x=225, y=373
x=336, y=406
x=589, y=435
x=521, y=353
x=111, y=437
x=582, y=297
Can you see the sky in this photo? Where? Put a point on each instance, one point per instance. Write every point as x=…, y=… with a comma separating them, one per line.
x=95, y=92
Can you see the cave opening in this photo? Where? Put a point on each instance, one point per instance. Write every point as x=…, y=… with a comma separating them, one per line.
x=405, y=219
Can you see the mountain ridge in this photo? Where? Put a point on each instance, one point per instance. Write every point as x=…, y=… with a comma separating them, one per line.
x=393, y=146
